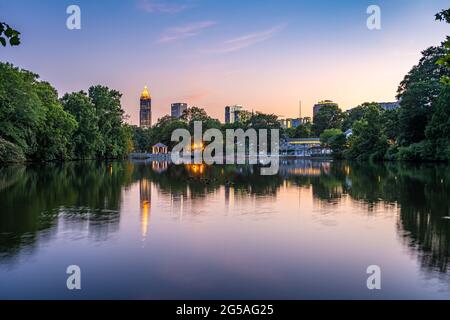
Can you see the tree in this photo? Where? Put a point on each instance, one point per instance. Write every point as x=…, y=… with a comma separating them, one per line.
x=263, y=121
x=334, y=139
x=114, y=139
x=445, y=60
x=303, y=131
x=389, y=121
x=244, y=116
x=142, y=138
x=194, y=114
x=21, y=110
x=357, y=113
x=368, y=140
x=8, y=33
x=418, y=91
x=9, y=152
x=87, y=137
x=54, y=136
x=162, y=131
x=438, y=130
x=328, y=117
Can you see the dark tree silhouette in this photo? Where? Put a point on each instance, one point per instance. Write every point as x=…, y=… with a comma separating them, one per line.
x=8, y=34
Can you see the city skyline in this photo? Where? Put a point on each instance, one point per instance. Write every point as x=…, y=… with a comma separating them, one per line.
x=265, y=55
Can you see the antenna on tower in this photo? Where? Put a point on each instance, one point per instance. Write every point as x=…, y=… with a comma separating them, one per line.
x=300, y=109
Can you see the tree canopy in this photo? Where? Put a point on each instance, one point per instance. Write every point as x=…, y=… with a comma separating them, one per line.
x=8, y=35
x=36, y=125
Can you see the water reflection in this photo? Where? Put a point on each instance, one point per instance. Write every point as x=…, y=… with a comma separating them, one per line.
x=40, y=202
x=145, y=194
x=79, y=195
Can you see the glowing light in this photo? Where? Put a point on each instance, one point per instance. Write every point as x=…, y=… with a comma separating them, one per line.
x=145, y=95
x=144, y=217
x=196, y=168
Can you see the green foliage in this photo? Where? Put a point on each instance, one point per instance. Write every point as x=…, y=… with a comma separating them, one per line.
x=303, y=131
x=263, y=121
x=40, y=127
x=101, y=131
x=328, y=117
x=9, y=152
x=438, y=130
x=162, y=131
x=54, y=136
x=368, y=140
x=445, y=60
x=8, y=34
x=21, y=109
x=142, y=139
x=109, y=112
x=328, y=134
x=354, y=114
x=443, y=15
x=418, y=93
x=413, y=152
x=389, y=121
x=334, y=139
x=87, y=138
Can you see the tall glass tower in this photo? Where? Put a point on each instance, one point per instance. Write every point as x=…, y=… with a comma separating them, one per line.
x=145, y=114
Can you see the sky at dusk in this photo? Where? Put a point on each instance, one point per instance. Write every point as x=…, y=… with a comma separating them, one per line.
x=265, y=55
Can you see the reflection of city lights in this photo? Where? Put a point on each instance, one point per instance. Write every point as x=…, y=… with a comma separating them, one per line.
x=144, y=217
x=198, y=146
x=145, y=197
x=347, y=170
x=160, y=166
x=196, y=168
x=305, y=171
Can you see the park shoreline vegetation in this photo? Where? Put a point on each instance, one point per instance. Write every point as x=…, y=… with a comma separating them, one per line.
x=419, y=130
x=36, y=125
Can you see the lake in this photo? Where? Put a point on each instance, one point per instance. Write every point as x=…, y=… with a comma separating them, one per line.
x=154, y=230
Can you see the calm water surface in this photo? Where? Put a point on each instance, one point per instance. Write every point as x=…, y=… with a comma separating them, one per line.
x=159, y=231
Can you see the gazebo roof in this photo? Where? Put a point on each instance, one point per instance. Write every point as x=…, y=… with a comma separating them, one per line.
x=160, y=145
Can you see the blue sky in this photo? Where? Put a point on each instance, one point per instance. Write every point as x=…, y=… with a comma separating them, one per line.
x=267, y=55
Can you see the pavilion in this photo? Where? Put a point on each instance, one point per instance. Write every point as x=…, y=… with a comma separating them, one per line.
x=160, y=148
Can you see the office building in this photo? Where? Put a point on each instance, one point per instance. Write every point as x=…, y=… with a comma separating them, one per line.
x=145, y=114
x=177, y=109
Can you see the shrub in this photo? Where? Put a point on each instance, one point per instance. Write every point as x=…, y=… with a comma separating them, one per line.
x=413, y=152
x=9, y=152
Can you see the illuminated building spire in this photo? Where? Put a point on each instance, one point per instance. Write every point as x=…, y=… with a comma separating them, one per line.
x=145, y=95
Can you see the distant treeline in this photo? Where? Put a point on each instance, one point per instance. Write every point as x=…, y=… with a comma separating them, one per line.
x=419, y=130
x=37, y=126
x=143, y=139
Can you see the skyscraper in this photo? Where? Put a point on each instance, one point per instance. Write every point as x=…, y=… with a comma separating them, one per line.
x=145, y=114
x=232, y=113
x=321, y=104
x=177, y=109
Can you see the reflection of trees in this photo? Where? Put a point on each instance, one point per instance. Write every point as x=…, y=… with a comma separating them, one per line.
x=88, y=195
x=35, y=198
x=200, y=180
x=421, y=191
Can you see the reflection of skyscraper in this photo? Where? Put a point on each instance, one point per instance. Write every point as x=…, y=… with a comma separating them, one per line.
x=176, y=109
x=145, y=194
x=145, y=115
